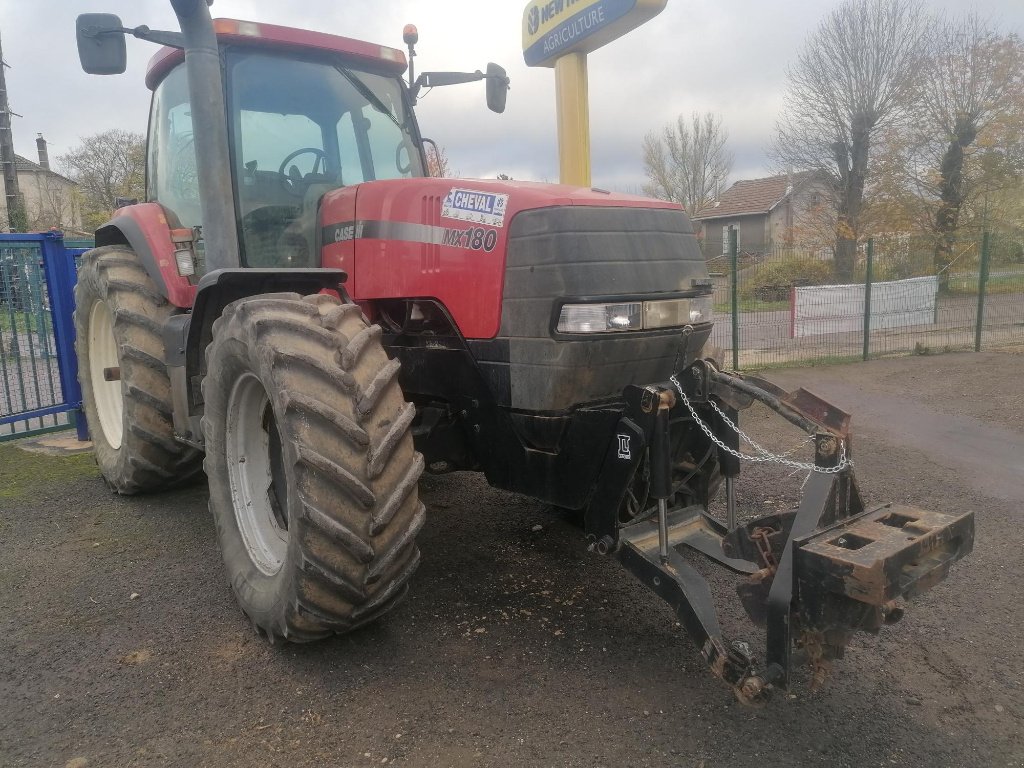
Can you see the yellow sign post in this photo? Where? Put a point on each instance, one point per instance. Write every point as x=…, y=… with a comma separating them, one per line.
x=560, y=34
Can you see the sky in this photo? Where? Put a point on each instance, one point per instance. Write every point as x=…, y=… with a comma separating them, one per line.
x=724, y=56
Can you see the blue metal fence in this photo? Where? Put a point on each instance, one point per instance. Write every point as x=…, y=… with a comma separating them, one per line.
x=39, y=389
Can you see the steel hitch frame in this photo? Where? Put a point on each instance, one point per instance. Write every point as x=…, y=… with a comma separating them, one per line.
x=814, y=575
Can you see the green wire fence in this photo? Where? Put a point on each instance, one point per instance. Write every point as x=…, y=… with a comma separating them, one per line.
x=787, y=306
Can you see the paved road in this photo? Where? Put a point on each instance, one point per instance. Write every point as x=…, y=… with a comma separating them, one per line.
x=122, y=645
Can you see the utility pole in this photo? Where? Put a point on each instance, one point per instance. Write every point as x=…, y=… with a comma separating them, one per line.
x=10, y=168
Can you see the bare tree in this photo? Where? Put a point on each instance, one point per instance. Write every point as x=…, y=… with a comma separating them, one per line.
x=854, y=77
x=17, y=219
x=106, y=166
x=960, y=160
x=688, y=161
x=437, y=162
x=974, y=76
x=55, y=203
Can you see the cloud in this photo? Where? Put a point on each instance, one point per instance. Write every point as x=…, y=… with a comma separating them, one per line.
x=726, y=56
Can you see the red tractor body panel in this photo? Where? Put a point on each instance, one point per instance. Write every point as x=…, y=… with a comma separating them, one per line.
x=234, y=31
x=443, y=239
x=151, y=223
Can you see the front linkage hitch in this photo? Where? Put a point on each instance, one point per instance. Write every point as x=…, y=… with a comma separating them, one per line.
x=813, y=575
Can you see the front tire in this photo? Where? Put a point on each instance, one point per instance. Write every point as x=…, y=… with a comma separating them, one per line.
x=312, y=470
x=119, y=316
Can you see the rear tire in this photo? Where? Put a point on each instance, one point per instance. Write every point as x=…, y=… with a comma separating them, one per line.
x=312, y=470
x=119, y=316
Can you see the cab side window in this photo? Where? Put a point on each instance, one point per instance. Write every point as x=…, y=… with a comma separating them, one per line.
x=171, y=176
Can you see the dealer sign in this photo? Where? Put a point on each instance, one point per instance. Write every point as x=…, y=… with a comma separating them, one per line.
x=553, y=28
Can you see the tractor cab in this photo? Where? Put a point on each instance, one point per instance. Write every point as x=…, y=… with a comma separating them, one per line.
x=306, y=113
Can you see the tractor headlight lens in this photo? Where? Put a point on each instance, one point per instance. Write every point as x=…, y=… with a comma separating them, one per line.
x=634, y=315
x=701, y=308
x=184, y=259
x=600, y=318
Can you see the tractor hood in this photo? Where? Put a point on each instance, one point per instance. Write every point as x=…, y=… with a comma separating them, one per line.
x=449, y=240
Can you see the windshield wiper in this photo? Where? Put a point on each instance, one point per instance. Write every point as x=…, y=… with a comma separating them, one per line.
x=367, y=93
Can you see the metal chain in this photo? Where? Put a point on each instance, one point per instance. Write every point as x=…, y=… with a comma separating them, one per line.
x=764, y=455
x=749, y=440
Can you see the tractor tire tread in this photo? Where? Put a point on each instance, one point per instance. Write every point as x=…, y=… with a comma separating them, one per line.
x=344, y=588
x=139, y=395
x=387, y=511
x=332, y=374
x=136, y=354
x=338, y=476
x=377, y=387
x=350, y=355
x=138, y=287
x=149, y=458
x=360, y=550
x=351, y=527
x=387, y=558
x=381, y=451
x=386, y=595
x=307, y=407
x=141, y=320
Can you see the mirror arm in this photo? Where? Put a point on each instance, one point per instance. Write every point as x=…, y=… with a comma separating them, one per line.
x=423, y=81
x=495, y=76
x=171, y=39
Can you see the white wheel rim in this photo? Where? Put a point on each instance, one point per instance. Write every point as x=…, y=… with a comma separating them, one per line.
x=247, y=446
x=103, y=355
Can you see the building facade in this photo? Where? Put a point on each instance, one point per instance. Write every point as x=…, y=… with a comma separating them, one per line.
x=768, y=213
x=50, y=200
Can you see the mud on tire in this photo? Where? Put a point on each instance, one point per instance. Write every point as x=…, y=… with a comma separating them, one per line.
x=312, y=470
x=119, y=315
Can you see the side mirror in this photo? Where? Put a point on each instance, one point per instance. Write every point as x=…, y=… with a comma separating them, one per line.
x=497, y=88
x=101, y=47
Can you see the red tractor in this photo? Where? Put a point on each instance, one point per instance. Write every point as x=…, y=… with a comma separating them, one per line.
x=301, y=312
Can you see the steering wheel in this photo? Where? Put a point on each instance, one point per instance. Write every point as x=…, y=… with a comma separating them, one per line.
x=291, y=179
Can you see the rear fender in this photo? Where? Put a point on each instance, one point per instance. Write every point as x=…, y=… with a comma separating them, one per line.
x=145, y=228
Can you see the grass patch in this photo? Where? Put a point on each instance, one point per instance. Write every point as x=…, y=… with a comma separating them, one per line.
x=806, y=362
x=998, y=284
x=23, y=322
x=23, y=473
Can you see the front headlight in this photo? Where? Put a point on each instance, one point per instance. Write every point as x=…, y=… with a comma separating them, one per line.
x=701, y=308
x=634, y=315
x=600, y=318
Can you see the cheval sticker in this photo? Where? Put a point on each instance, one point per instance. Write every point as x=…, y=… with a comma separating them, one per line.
x=476, y=207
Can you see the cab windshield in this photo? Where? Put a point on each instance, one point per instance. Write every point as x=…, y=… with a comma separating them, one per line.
x=300, y=128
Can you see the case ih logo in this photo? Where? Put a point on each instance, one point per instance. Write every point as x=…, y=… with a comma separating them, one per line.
x=477, y=207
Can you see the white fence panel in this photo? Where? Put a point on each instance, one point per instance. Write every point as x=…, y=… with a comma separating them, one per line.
x=822, y=309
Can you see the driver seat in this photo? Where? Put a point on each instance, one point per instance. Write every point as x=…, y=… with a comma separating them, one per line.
x=298, y=241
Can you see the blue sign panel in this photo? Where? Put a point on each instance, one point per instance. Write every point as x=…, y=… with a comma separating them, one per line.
x=554, y=28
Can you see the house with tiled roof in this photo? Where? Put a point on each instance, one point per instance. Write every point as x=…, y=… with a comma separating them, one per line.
x=50, y=199
x=766, y=213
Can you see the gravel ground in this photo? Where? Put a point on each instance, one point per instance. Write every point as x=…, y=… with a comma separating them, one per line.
x=123, y=646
